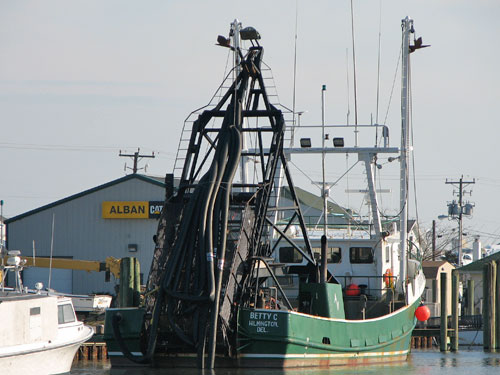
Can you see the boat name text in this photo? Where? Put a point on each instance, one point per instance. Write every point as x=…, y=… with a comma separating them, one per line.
x=262, y=320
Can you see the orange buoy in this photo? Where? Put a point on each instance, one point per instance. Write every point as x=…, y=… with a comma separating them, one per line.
x=352, y=290
x=388, y=280
x=422, y=313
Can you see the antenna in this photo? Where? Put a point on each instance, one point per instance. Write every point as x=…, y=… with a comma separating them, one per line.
x=1, y=231
x=347, y=80
x=378, y=58
x=136, y=156
x=34, y=254
x=295, y=72
x=354, y=77
x=51, y=249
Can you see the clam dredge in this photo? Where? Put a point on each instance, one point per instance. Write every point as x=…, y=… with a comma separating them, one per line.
x=214, y=296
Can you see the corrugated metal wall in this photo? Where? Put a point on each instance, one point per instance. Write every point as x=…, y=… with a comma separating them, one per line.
x=81, y=232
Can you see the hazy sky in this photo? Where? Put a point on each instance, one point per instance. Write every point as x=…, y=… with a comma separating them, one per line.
x=80, y=80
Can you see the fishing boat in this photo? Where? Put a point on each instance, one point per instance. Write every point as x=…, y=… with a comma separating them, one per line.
x=40, y=332
x=219, y=287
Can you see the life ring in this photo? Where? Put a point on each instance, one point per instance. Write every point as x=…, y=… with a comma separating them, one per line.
x=388, y=279
x=270, y=303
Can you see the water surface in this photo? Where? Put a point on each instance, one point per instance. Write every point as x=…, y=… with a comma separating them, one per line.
x=421, y=362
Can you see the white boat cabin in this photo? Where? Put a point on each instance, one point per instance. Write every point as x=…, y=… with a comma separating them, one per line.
x=372, y=263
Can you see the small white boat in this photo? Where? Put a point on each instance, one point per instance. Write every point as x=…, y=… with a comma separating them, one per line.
x=91, y=303
x=40, y=332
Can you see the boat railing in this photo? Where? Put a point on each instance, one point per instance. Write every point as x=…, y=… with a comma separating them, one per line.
x=15, y=265
x=355, y=285
x=471, y=322
x=257, y=263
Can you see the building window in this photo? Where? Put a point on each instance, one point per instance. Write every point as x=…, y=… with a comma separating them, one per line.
x=361, y=255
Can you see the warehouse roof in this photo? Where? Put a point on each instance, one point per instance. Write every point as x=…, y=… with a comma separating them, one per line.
x=479, y=264
x=151, y=179
x=308, y=199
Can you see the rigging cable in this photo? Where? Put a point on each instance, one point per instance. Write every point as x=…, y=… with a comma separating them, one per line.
x=412, y=142
x=393, y=84
x=385, y=120
x=314, y=183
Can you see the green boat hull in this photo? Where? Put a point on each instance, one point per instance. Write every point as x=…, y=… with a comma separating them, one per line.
x=274, y=338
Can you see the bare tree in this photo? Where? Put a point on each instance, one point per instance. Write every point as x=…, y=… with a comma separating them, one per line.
x=445, y=234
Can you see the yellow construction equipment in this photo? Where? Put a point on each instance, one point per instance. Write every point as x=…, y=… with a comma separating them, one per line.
x=110, y=266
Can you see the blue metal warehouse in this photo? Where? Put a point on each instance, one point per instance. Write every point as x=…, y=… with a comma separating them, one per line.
x=115, y=219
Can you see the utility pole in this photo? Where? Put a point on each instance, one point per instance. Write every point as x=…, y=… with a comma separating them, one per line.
x=457, y=211
x=136, y=157
x=1, y=228
x=433, y=240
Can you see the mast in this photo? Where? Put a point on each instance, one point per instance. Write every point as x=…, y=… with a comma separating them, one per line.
x=234, y=33
x=325, y=191
x=407, y=26
x=324, y=240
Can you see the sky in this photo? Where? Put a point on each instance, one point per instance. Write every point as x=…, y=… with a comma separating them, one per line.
x=82, y=80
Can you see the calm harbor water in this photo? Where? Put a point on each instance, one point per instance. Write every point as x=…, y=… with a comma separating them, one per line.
x=421, y=362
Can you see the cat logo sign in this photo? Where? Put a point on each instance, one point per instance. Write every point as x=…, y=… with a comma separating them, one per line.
x=132, y=209
x=155, y=209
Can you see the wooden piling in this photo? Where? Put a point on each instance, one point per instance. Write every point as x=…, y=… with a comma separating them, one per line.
x=454, y=309
x=497, y=307
x=489, y=302
x=92, y=351
x=444, y=313
x=493, y=296
x=137, y=283
x=486, y=302
x=129, y=282
x=470, y=297
x=434, y=291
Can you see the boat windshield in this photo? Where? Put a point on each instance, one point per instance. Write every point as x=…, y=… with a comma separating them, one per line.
x=65, y=313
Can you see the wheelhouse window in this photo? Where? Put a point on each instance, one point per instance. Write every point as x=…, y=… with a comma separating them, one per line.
x=65, y=314
x=288, y=254
x=359, y=255
x=286, y=281
x=333, y=254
